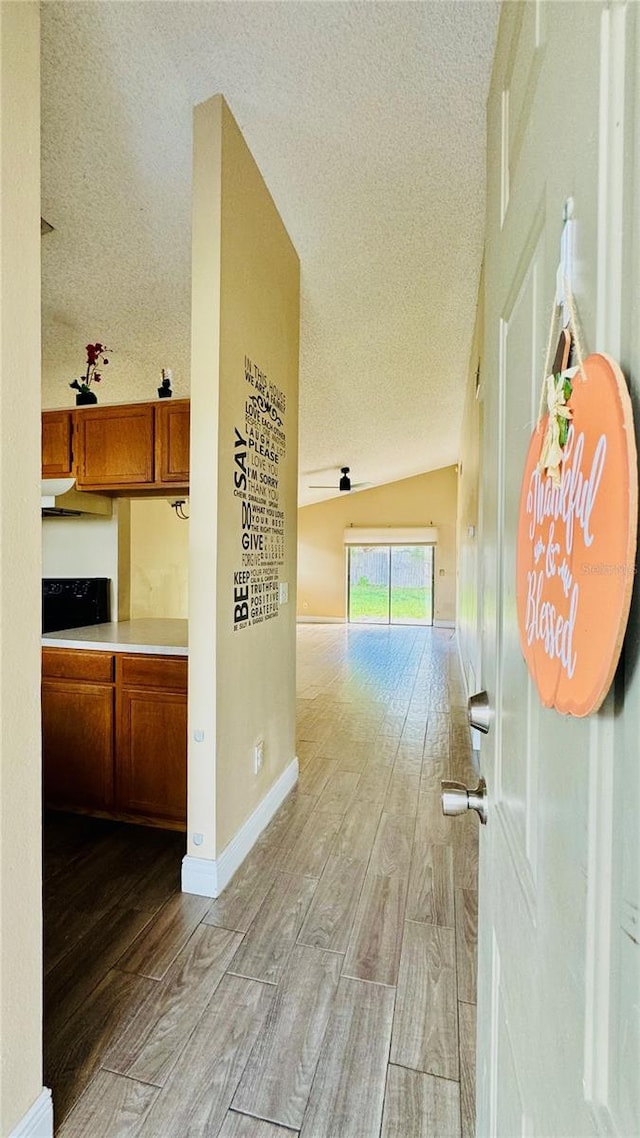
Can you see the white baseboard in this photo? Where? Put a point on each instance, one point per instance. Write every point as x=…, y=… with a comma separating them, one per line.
x=200, y=876
x=207, y=877
x=38, y=1121
x=444, y=624
x=321, y=619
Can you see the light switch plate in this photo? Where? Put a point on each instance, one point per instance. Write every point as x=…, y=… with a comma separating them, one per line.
x=283, y=593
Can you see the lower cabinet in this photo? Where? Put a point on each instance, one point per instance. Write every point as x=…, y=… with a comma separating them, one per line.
x=151, y=733
x=77, y=744
x=120, y=748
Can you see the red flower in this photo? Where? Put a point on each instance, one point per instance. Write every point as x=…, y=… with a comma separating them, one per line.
x=95, y=352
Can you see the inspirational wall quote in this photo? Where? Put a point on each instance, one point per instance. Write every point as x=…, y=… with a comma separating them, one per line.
x=258, y=452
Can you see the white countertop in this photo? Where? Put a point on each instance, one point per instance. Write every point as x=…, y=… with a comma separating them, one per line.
x=153, y=637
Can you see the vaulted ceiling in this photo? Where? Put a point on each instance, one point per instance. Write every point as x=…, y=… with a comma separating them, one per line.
x=367, y=121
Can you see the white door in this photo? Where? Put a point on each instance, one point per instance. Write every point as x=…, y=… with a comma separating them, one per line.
x=559, y=958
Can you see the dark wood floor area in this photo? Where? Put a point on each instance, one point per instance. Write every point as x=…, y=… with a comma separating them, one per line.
x=330, y=991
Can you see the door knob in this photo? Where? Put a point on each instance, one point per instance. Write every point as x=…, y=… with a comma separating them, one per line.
x=457, y=798
x=480, y=714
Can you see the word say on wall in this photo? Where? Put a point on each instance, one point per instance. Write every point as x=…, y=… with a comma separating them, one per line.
x=259, y=449
x=577, y=543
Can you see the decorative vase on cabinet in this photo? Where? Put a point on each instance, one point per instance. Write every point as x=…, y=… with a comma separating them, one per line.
x=95, y=356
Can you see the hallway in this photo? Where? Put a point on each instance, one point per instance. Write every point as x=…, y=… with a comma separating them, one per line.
x=331, y=989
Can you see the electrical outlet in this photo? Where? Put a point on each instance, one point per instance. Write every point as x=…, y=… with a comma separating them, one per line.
x=258, y=756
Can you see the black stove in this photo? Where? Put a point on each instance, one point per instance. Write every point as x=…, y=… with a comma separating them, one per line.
x=71, y=602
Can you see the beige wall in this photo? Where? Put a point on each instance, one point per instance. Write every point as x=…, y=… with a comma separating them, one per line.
x=427, y=499
x=20, y=810
x=159, y=563
x=469, y=514
x=245, y=303
x=125, y=380
x=91, y=547
x=143, y=548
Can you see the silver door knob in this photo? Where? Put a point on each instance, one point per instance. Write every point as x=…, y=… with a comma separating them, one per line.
x=480, y=714
x=457, y=799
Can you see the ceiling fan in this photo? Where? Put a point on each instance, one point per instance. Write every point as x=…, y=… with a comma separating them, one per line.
x=345, y=484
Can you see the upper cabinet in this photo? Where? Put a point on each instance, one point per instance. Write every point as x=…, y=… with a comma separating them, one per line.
x=114, y=446
x=133, y=448
x=57, y=433
x=172, y=441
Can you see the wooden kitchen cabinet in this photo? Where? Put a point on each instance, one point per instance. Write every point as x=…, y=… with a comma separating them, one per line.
x=139, y=449
x=151, y=737
x=78, y=744
x=57, y=435
x=114, y=730
x=77, y=664
x=172, y=441
x=115, y=446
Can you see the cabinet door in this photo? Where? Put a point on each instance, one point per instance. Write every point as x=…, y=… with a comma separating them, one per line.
x=77, y=744
x=151, y=775
x=115, y=446
x=172, y=442
x=57, y=459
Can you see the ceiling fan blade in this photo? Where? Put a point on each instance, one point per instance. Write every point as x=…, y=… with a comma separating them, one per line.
x=353, y=486
x=344, y=485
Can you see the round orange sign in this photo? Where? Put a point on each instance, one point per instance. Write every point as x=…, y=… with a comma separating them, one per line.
x=577, y=544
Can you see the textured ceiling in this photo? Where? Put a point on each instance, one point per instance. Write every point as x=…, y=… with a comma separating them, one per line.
x=367, y=121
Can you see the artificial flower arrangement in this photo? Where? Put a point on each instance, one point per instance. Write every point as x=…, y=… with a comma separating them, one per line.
x=559, y=389
x=95, y=357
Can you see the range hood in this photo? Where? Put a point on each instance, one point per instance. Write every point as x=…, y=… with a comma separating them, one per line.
x=59, y=499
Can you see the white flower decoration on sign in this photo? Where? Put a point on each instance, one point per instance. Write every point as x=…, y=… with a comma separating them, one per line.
x=558, y=392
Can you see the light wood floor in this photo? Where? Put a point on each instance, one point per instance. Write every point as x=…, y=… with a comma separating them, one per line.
x=330, y=991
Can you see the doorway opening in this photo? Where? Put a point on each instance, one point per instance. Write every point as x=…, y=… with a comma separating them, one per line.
x=390, y=584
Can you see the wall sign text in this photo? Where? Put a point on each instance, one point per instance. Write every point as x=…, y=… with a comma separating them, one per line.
x=259, y=447
x=577, y=546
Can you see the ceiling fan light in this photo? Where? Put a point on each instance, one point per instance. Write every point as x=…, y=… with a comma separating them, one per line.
x=345, y=481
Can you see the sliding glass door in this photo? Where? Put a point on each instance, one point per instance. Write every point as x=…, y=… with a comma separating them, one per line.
x=411, y=584
x=391, y=584
x=369, y=575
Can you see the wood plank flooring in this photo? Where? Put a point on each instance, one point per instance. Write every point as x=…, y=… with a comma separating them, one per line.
x=330, y=991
